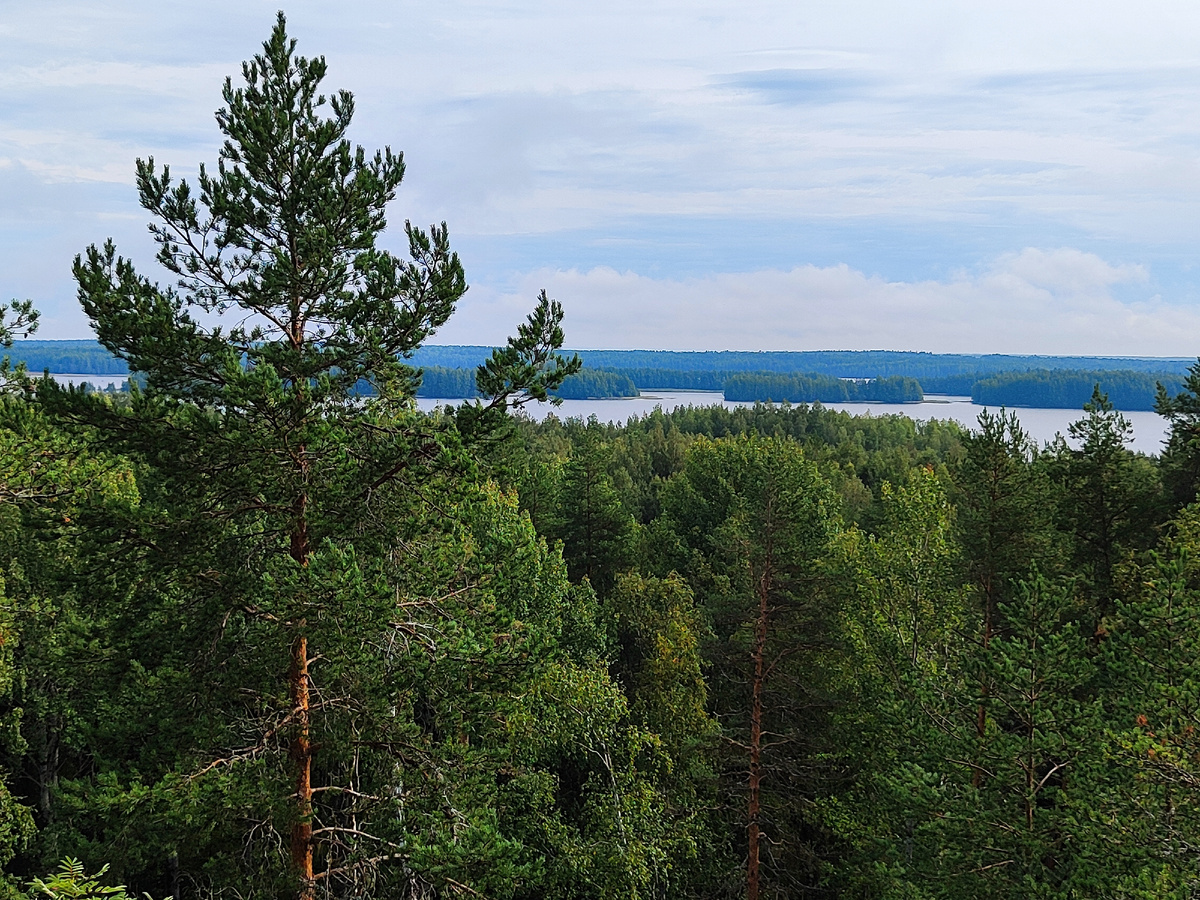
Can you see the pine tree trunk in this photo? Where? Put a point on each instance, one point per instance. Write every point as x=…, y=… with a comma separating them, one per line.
x=981, y=712
x=756, y=715
x=302, y=849
x=302, y=843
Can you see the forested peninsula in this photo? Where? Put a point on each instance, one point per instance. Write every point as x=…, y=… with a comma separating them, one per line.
x=267, y=633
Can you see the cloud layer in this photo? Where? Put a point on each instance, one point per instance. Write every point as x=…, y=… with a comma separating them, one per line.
x=787, y=172
x=1034, y=301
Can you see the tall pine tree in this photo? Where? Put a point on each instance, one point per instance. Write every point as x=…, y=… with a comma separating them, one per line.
x=276, y=424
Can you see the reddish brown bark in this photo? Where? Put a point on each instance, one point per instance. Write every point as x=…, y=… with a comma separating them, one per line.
x=299, y=545
x=302, y=839
x=302, y=849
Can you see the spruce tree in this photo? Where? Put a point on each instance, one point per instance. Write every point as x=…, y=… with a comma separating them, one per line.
x=596, y=531
x=1109, y=498
x=1181, y=456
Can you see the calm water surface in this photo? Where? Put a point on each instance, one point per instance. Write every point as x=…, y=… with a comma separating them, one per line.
x=1149, y=430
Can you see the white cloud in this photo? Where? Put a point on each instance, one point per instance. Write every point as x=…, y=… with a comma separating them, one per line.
x=1037, y=301
x=922, y=137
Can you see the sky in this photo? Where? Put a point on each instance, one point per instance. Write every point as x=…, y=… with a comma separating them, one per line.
x=991, y=177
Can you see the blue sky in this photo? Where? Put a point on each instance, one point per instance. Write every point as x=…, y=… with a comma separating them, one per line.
x=1007, y=177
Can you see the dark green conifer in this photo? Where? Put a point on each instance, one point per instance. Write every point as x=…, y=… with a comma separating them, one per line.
x=1181, y=456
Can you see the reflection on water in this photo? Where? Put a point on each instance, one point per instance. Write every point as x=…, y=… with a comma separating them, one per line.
x=1149, y=430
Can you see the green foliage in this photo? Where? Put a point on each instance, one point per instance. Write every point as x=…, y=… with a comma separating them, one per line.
x=588, y=384
x=447, y=384
x=1109, y=501
x=823, y=388
x=911, y=608
x=596, y=531
x=752, y=520
x=529, y=365
x=1006, y=526
x=18, y=319
x=67, y=357
x=646, y=378
x=1181, y=456
x=1152, y=705
x=22, y=322
x=1016, y=820
x=285, y=521
x=451, y=384
x=71, y=881
x=904, y=618
x=659, y=665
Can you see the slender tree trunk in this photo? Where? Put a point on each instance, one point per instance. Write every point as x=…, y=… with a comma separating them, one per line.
x=981, y=712
x=47, y=773
x=756, y=715
x=302, y=849
x=301, y=750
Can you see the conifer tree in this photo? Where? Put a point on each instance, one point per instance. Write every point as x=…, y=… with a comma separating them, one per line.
x=1014, y=816
x=283, y=313
x=1109, y=498
x=597, y=532
x=1005, y=521
x=1181, y=456
x=1153, y=705
x=757, y=520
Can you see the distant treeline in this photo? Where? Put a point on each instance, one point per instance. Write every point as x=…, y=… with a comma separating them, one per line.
x=778, y=388
x=649, y=379
x=961, y=384
x=1045, y=388
x=67, y=358
x=995, y=380
x=589, y=384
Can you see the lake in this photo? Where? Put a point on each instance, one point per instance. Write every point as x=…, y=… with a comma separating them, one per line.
x=1149, y=429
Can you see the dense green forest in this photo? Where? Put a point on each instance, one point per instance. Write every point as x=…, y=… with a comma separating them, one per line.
x=675, y=379
x=67, y=357
x=586, y=384
x=267, y=635
x=1043, y=388
x=1067, y=388
x=810, y=388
